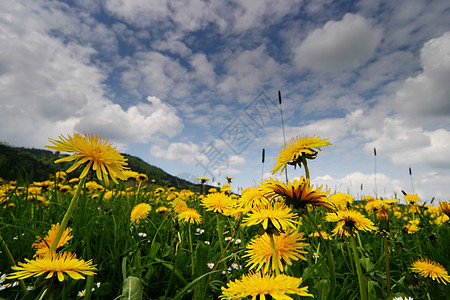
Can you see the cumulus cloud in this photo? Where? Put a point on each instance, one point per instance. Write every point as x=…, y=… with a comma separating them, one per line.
x=48, y=87
x=228, y=16
x=247, y=71
x=184, y=151
x=411, y=145
x=428, y=93
x=338, y=45
x=139, y=123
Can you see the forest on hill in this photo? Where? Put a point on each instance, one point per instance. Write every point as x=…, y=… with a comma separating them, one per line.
x=30, y=164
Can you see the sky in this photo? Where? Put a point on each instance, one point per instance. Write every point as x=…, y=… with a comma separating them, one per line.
x=192, y=86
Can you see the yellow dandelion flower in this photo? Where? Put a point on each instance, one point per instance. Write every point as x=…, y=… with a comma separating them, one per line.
x=51, y=263
x=341, y=200
x=203, y=179
x=252, y=197
x=130, y=174
x=411, y=198
x=258, y=286
x=368, y=198
x=179, y=205
x=411, y=228
x=92, y=152
x=429, y=268
x=226, y=188
x=445, y=207
x=275, y=215
x=297, y=148
x=74, y=180
x=190, y=215
x=141, y=177
x=42, y=245
x=349, y=221
x=299, y=193
x=322, y=234
x=162, y=209
x=288, y=247
x=373, y=205
x=217, y=202
x=140, y=212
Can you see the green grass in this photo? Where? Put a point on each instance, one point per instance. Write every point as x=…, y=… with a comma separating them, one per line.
x=160, y=260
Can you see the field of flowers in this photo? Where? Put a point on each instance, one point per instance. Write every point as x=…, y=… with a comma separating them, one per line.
x=114, y=234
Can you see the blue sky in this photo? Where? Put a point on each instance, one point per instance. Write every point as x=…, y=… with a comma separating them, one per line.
x=192, y=86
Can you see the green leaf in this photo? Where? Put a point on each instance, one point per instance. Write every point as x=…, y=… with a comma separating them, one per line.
x=132, y=288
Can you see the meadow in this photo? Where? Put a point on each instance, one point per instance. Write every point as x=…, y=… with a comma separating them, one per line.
x=135, y=239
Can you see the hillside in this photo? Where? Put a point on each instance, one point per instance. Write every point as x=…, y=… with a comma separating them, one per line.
x=29, y=164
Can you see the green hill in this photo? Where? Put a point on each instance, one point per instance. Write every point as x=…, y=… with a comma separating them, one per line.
x=28, y=164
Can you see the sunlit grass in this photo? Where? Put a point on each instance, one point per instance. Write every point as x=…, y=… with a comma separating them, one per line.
x=185, y=245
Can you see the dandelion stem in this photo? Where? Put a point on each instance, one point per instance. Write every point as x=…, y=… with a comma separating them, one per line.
x=361, y=279
x=13, y=263
x=274, y=255
x=192, y=252
x=68, y=214
x=305, y=164
x=388, y=274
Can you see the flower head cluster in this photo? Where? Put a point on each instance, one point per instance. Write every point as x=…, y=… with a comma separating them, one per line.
x=349, y=221
x=412, y=198
x=256, y=284
x=288, y=247
x=217, y=202
x=190, y=215
x=274, y=216
x=252, y=197
x=42, y=245
x=429, y=268
x=298, y=148
x=299, y=193
x=51, y=263
x=140, y=212
x=92, y=152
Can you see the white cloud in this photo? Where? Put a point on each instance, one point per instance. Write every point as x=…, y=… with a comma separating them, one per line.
x=191, y=15
x=248, y=71
x=338, y=45
x=411, y=145
x=139, y=123
x=428, y=93
x=184, y=151
x=44, y=83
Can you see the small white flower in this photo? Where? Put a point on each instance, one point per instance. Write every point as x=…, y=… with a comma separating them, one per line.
x=238, y=241
x=81, y=293
x=207, y=243
x=199, y=231
x=142, y=234
x=210, y=265
x=229, y=238
x=235, y=266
